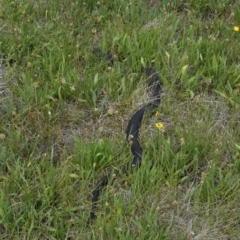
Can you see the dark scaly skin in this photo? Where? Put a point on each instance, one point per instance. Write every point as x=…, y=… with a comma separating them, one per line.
x=131, y=132
x=95, y=195
x=135, y=121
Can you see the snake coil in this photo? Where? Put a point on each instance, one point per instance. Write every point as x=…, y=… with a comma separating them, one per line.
x=132, y=129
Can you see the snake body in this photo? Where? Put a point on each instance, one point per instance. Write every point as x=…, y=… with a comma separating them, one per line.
x=132, y=129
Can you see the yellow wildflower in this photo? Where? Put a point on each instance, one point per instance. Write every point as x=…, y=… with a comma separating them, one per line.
x=236, y=29
x=159, y=125
x=157, y=113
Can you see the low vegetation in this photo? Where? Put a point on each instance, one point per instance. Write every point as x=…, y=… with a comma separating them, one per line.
x=63, y=115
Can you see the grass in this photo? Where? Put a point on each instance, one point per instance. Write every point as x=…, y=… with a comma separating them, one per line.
x=64, y=114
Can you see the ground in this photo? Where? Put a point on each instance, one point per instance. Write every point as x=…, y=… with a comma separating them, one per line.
x=64, y=112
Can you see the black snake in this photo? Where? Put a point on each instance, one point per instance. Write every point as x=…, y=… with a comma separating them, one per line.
x=132, y=128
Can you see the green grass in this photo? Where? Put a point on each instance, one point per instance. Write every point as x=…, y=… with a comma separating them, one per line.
x=65, y=115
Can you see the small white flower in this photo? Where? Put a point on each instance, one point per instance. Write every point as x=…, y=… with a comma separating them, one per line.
x=72, y=88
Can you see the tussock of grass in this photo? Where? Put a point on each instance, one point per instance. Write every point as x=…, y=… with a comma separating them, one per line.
x=63, y=115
